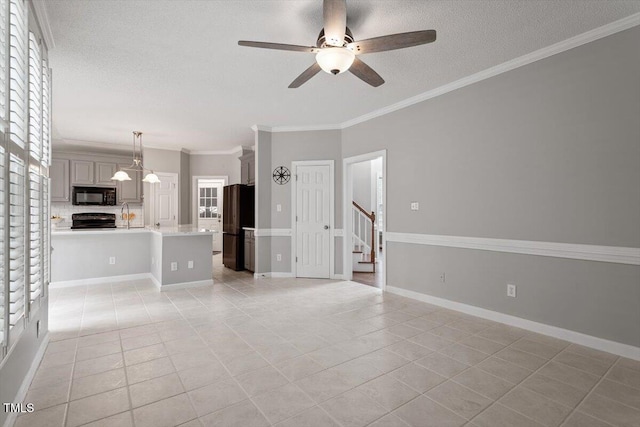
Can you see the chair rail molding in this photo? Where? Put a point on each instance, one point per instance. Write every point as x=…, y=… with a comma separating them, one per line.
x=613, y=254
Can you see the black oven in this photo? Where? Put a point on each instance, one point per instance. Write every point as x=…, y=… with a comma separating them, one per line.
x=96, y=196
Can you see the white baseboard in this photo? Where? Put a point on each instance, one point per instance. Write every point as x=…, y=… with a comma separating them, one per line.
x=339, y=277
x=194, y=284
x=98, y=280
x=274, y=274
x=26, y=382
x=564, y=334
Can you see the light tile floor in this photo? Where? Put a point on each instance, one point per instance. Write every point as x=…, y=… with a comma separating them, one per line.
x=295, y=352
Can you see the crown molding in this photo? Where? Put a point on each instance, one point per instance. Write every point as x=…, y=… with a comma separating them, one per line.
x=570, y=43
x=234, y=150
x=40, y=8
x=306, y=128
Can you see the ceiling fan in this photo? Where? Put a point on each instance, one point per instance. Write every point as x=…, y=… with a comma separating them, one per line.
x=337, y=51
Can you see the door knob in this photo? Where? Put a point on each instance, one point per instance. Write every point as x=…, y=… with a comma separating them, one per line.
x=326, y=227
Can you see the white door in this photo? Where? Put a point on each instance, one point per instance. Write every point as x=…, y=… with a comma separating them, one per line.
x=210, y=209
x=313, y=219
x=165, y=205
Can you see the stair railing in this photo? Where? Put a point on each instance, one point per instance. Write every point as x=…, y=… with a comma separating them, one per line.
x=364, y=231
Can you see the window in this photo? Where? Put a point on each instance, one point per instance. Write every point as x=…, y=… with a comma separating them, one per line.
x=18, y=71
x=208, y=204
x=35, y=97
x=16, y=239
x=35, y=234
x=2, y=246
x=25, y=132
x=46, y=113
x=3, y=64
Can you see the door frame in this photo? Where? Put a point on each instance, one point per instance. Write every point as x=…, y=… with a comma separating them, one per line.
x=294, y=208
x=347, y=197
x=176, y=194
x=224, y=179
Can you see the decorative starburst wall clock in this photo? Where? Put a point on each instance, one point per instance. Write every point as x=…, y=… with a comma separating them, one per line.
x=281, y=175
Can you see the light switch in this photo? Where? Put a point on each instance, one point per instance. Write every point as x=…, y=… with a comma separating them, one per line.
x=415, y=206
x=190, y=264
x=279, y=207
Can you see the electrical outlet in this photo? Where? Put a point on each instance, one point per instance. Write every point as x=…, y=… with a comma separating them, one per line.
x=153, y=261
x=190, y=264
x=279, y=207
x=443, y=278
x=174, y=266
x=112, y=260
x=415, y=206
x=278, y=257
x=511, y=291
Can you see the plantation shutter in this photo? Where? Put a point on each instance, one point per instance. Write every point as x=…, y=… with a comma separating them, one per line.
x=35, y=98
x=46, y=236
x=46, y=114
x=3, y=64
x=18, y=71
x=35, y=234
x=16, y=239
x=3, y=213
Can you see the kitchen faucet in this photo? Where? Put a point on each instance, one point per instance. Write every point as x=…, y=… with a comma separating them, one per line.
x=122, y=212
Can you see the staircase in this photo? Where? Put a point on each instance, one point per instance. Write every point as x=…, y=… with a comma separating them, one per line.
x=363, y=236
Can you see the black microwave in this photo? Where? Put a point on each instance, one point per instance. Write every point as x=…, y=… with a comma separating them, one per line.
x=97, y=196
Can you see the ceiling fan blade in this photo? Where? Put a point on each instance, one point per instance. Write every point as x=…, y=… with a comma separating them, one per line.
x=279, y=46
x=305, y=76
x=365, y=73
x=393, y=41
x=335, y=21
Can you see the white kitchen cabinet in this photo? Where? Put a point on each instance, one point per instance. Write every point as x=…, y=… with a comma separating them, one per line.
x=82, y=172
x=104, y=171
x=130, y=191
x=59, y=174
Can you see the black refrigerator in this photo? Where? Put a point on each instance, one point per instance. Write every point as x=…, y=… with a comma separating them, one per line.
x=238, y=212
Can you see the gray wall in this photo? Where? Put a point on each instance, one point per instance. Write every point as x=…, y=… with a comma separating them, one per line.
x=362, y=184
x=263, y=200
x=82, y=256
x=16, y=365
x=182, y=249
x=184, y=211
x=286, y=148
x=217, y=165
x=547, y=152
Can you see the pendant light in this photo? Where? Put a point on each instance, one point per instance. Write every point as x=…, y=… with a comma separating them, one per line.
x=136, y=164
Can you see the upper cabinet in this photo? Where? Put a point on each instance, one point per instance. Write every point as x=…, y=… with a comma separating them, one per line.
x=59, y=174
x=130, y=191
x=86, y=172
x=104, y=172
x=82, y=172
x=86, y=169
x=248, y=167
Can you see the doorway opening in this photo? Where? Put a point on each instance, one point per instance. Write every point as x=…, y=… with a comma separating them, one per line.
x=207, y=206
x=365, y=218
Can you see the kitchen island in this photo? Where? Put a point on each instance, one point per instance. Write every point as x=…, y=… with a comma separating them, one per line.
x=170, y=256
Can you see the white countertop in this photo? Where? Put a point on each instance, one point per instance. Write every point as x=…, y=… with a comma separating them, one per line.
x=181, y=230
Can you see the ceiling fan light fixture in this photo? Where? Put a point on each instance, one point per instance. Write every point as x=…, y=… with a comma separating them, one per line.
x=335, y=60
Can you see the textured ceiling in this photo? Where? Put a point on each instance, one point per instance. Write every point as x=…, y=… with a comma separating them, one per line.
x=173, y=69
